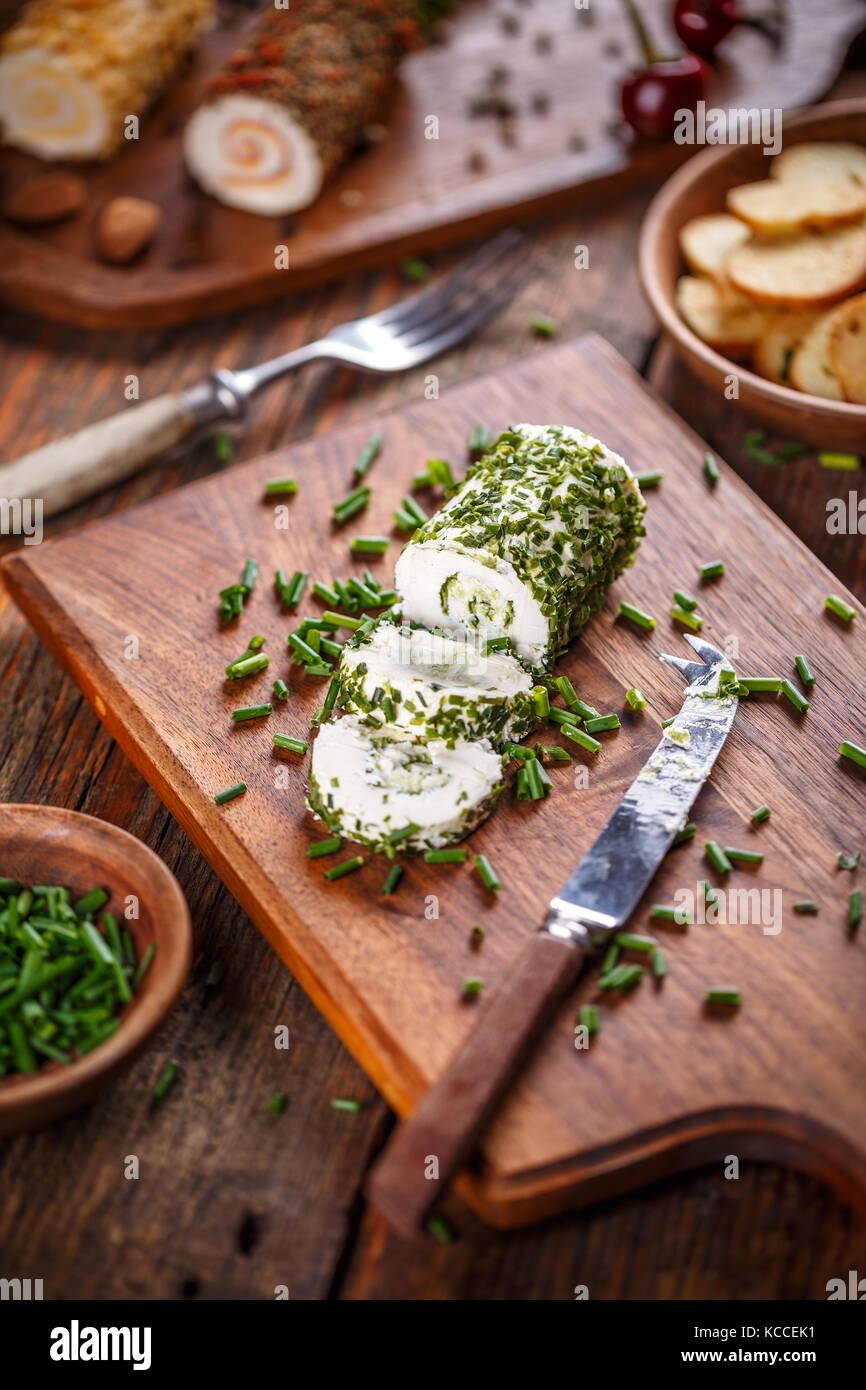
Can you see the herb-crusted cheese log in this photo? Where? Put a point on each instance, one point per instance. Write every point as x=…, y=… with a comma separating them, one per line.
x=434, y=685
x=528, y=545
x=71, y=72
x=366, y=784
x=292, y=104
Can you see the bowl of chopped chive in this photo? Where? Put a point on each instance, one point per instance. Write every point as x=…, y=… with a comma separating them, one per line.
x=95, y=945
x=758, y=338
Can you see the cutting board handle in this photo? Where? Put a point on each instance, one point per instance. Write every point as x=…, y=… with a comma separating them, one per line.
x=406, y=1183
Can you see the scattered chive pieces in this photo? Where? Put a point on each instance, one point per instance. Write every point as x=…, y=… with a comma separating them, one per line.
x=660, y=965
x=834, y=604
x=415, y=271
x=554, y=752
x=723, y=994
x=343, y=620
x=629, y=941
x=761, y=685
x=326, y=595
x=687, y=833
x=398, y=836
x=476, y=936
x=601, y=723
x=497, y=644
x=648, y=480
x=543, y=326
x=351, y=505
x=404, y=522
x=344, y=1103
x=281, y=690
x=445, y=856
x=800, y=703
x=368, y=455
x=611, y=956
x=564, y=716
x=391, y=882
x=846, y=462
x=690, y=620
x=855, y=909
x=248, y=666
x=710, y=897
x=230, y=793
x=256, y=643
x=711, y=468
x=279, y=487
x=635, y=698
x=791, y=449
x=685, y=601
x=573, y=701
x=804, y=671
x=540, y=701
x=589, y=1019
x=760, y=814
x=717, y=857
x=592, y=745
x=369, y=545
x=251, y=712
x=635, y=615
x=848, y=861
x=479, y=439
x=622, y=978
x=348, y=866
x=666, y=723
x=167, y=1081
x=224, y=448
x=439, y=1227
x=278, y=1103
x=714, y=570
x=329, y=846
x=292, y=745
x=250, y=575
x=91, y=902
x=472, y=987
x=854, y=752
x=303, y=651
x=291, y=595
x=439, y=471
x=486, y=874
x=663, y=912
x=807, y=907
x=744, y=856
x=331, y=696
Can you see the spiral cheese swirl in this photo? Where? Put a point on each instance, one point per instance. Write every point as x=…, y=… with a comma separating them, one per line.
x=250, y=153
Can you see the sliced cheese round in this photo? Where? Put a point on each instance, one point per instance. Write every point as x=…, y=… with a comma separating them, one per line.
x=251, y=153
x=434, y=684
x=366, y=784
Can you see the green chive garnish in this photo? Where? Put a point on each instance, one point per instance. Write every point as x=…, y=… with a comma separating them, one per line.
x=685, y=601
x=543, y=326
x=486, y=874
x=292, y=745
x=368, y=455
x=540, y=701
x=344, y=1103
x=744, y=856
x=91, y=902
x=251, y=712
x=636, y=698
x=589, y=1019
x=601, y=723
x=445, y=856
x=854, y=752
x=807, y=907
x=847, y=462
x=479, y=439
x=760, y=814
x=800, y=703
x=834, y=604
x=724, y=994
x=690, y=620
x=636, y=615
x=347, y=867
x=416, y=271
x=291, y=595
x=391, y=882
x=351, y=505
x=717, y=857
x=648, y=480
x=326, y=595
x=855, y=909
x=369, y=545
x=320, y=847
x=711, y=469
x=439, y=1227
x=571, y=731
x=439, y=472
x=629, y=941
x=662, y=912
x=761, y=685
x=279, y=487
x=714, y=570
x=660, y=965
x=804, y=671
x=167, y=1081
x=472, y=987
x=343, y=620
x=848, y=861
x=281, y=690
x=278, y=1103
x=398, y=836
x=687, y=833
x=230, y=793
x=611, y=956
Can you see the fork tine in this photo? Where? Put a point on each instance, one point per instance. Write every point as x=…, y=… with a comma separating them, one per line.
x=705, y=650
x=689, y=669
x=462, y=320
x=424, y=306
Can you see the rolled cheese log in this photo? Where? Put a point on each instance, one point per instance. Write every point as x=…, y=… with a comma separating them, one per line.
x=71, y=73
x=528, y=545
x=291, y=105
x=434, y=685
x=365, y=784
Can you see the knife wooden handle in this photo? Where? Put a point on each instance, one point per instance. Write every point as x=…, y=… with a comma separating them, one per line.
x=450, y=1118
x=68, y=470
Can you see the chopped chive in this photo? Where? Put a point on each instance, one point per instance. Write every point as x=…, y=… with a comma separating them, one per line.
x=714, y=570
x=303, y=651
x=250, y=575
x=251, y=712
x=760, y=814
x=230, y=793
x=571, y=731
x=519, y=751
x=666, y=723
x=648, y=480
x=415, y=511
x=350, y=505
x=622, y=978
x=479, y=439
x=690, y=620
x=744, y=856
x=391, y=882
x=445, y=856
x=755, y=449
x=248, y=666
x=800, y=703
x=344, y=1103
x=167, y=1081
x=660, y=965
x=256, y=643
x=486, y=874
x=717, y=857
x=540, y=701
x=662, y=912
x=636, y=698
x=91, y=902
x=537, y=780
x=804, y=671
x=710, y=896
x=543, y=326
x=601, y=723
x=636, y=615
x=834, y=604
x=573, y=701
x=439, y=471
x=760, y=685
x=440, y=1229
x=711, y=469
x=281, y=690
x=348, y=866
x=224, y=447
x=497, y=644
x=611, y=956
x=320, y=847
x=144, y=964
x=369, y=545
x=326, y=595
x=791, y=449
x=476, y=936
x=685, y=601
x=292, y=745
x=855, y=909
x=404, y=521
x=555, y=753
x=854, y=752
x=343, y=620
x=724, y=994
x=279, y=487
x=318, y=668
x=630, y=941
x=278, y=1103
x=807, y=907
x=564, y=716
x=687, y=833
x=331, y=696
x=847, y=462
x=848, y=861
x=472, y=988
x=415, y=271
x=589, y=1019
x=293, y=592
x=421, y=480
x=368, y=455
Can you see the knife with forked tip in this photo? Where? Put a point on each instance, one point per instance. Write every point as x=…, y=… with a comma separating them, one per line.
x=593, y=905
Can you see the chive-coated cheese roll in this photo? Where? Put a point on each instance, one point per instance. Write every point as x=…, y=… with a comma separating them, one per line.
x=365, y=784
x=528, y=545
x=434, y=684
x=71, y=73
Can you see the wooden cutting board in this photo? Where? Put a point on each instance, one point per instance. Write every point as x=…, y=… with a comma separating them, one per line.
x=664, y=1085
x=409, y=193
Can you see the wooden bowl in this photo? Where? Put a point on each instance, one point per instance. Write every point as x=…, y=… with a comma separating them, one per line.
x=47, y=844
x=699, y=187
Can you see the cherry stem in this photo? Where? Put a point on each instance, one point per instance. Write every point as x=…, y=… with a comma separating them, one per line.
x=650, y=52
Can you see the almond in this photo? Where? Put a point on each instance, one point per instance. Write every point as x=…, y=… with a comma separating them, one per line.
x=46, y=198
x=125, y=227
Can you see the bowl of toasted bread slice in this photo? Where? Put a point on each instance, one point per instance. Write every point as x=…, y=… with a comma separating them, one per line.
x=755, y=266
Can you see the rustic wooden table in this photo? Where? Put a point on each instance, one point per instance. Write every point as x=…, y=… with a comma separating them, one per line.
x=232, y=1201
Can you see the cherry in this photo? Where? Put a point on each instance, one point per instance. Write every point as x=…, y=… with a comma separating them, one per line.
x=652, y=96
x=702, y=24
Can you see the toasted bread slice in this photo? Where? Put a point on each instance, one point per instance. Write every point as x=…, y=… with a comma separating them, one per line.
x=773, y=208
x=819, y=161
x=811, y=368
x=809, y=269
x=706, y=242
x=776, y=346
x=721, y=317
x=848, y=348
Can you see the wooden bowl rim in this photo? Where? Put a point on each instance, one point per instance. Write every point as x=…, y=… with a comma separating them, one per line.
x=656, y=227
x=161, y=986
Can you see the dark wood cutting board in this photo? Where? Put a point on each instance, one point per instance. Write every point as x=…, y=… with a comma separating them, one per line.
x=665, y=1085
x=409, y=193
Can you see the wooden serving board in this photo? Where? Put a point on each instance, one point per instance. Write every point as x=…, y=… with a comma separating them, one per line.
x=409, y=193
x=664, y=1085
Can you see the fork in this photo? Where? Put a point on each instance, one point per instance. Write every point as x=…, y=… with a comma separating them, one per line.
x=399, y=337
